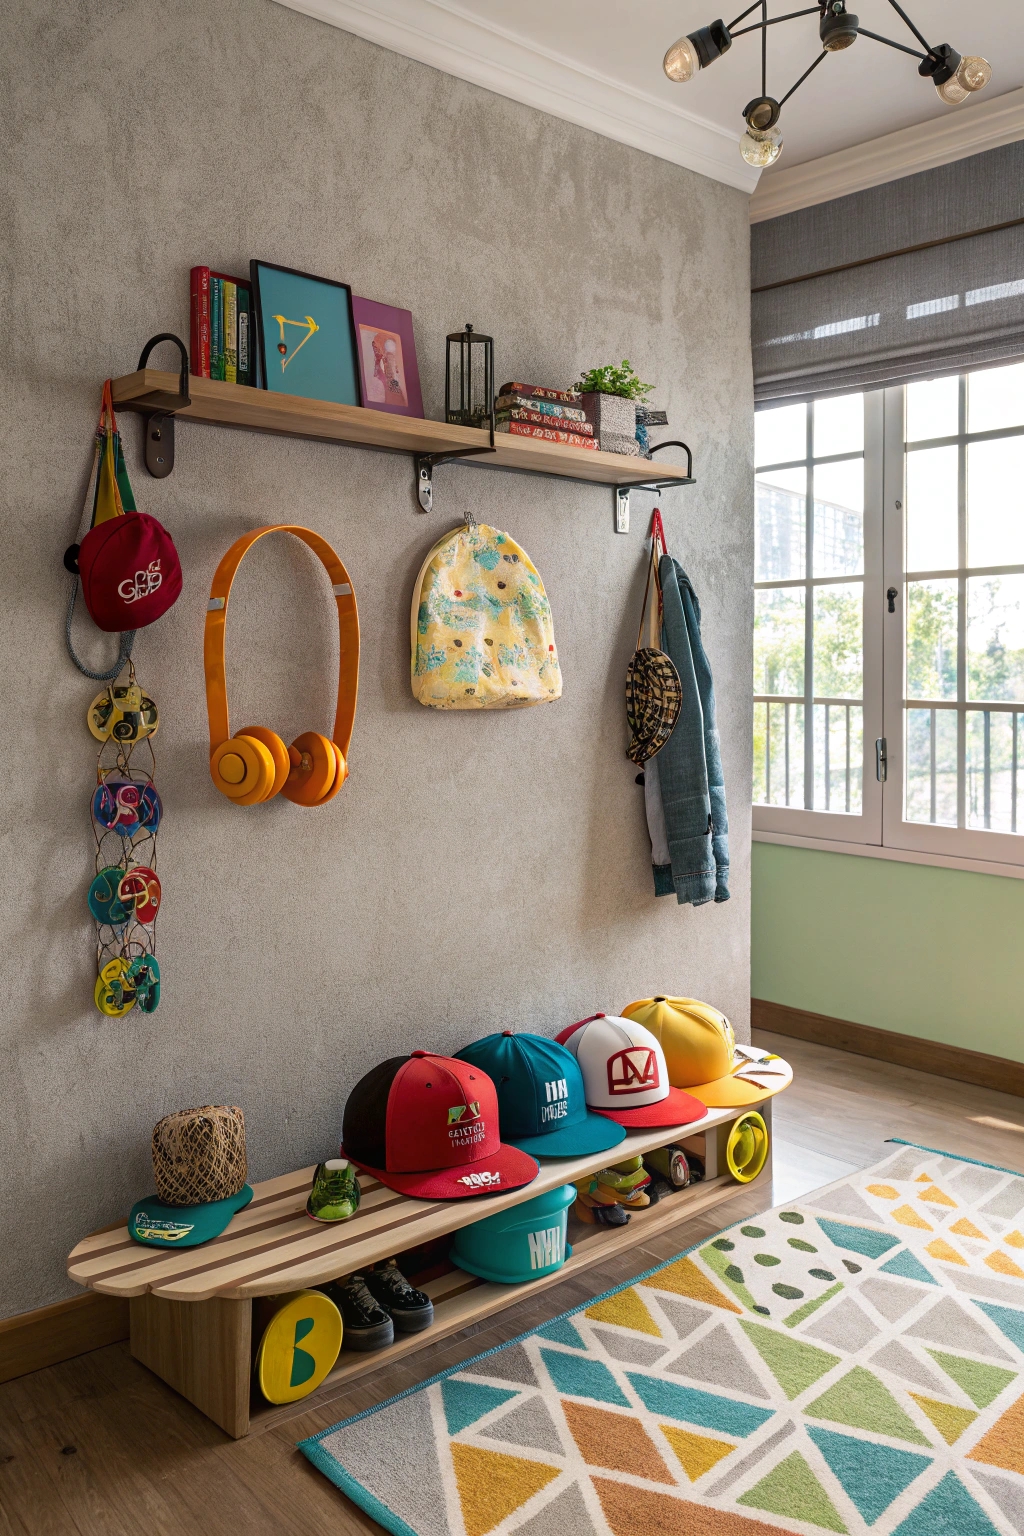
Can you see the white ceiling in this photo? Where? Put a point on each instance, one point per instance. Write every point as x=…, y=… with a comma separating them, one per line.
x=862, y=93
x=598, y=63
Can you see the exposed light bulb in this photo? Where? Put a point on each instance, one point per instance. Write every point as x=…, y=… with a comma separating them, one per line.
x=761, y=149
x=971, y=74
x=681, y=61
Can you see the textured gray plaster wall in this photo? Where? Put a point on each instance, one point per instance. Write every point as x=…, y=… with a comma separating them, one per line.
x=479, y=871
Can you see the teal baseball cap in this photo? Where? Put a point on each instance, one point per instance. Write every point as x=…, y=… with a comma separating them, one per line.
x=183, y=1226
x=542, y=1106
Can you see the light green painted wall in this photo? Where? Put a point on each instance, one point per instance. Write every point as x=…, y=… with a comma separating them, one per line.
x=933, y=953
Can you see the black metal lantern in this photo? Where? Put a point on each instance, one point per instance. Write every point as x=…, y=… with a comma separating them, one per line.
x=469, y=380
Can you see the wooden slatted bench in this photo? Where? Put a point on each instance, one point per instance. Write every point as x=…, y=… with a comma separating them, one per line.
x=192, y=1311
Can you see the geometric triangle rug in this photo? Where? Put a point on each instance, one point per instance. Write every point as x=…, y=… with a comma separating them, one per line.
x=852, y=1361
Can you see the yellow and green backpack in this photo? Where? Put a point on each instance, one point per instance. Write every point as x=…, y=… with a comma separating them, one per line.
x=482, y=636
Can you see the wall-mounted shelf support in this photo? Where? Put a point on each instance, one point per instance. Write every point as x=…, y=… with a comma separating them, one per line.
x=622, y=491
x=158, y=451
x=425, y=463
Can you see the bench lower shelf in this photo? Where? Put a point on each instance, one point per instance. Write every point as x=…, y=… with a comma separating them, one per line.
x=204, y=1349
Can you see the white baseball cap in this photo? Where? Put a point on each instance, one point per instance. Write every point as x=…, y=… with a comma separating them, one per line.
x=624, y=1073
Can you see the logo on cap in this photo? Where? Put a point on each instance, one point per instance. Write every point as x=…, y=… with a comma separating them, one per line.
x=457, y=1111
x=634, y=1070
x=480, y=1180
x=556, y=1106
x=143, y=584
x=466, y=1126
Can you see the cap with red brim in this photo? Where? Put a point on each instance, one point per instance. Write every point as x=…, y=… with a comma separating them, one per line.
x=427, y=1126
x=678, y=1108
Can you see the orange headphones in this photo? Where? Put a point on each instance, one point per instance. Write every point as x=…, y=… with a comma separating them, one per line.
x=254, y=764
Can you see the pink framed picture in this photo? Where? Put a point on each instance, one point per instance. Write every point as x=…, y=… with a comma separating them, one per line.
x=389, y=379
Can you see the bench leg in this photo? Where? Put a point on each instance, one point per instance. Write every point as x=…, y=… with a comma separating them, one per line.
x=200, y=1348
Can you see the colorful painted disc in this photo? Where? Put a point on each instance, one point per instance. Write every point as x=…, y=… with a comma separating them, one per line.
x=138, y=891
x=124, y=805
x=299, y=1346
x=746, y=1151
x=105, y=902
x=123, y=714
x=114, y=993
x=144, y=978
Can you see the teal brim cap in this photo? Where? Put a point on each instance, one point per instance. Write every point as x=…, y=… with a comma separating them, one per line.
x=592, y=1134
x=183, y=1226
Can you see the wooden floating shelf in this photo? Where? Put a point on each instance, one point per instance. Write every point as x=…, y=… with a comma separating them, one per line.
x=259, y=410
x=461, y=1299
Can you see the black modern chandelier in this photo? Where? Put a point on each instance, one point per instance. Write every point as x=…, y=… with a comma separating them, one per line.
x=954, y=76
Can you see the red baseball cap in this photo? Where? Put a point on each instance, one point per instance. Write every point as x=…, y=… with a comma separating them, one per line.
x=130, y=571
x=427, y=1126
x=625, y=1075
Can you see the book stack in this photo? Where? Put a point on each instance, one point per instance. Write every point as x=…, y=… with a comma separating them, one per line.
x=553, y=415
x=221, y=330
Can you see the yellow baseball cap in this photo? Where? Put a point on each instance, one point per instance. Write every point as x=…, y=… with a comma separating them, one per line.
x=702, y=1056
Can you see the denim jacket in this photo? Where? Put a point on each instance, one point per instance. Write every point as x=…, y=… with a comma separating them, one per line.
x=685, y=794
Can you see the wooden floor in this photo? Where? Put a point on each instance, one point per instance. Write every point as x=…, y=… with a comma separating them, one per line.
x=99, y=1447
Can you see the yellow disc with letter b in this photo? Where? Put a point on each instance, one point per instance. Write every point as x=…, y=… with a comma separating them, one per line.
x=299, y=1346
x=747, y=1149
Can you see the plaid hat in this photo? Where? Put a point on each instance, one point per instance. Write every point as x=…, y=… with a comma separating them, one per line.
x=427, y=1126
x=625, y=1075
x=541, y=1098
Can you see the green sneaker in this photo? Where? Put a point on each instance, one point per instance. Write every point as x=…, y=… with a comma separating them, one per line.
x=335, y=1192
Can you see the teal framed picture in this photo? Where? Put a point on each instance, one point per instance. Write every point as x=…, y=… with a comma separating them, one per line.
x=305, y=338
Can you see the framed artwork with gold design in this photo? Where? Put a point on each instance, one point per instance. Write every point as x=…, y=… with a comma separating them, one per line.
x=305, y=337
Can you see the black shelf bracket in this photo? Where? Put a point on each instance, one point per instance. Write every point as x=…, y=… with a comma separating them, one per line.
x=622, y=491
x=425, y=463
x=158, y=450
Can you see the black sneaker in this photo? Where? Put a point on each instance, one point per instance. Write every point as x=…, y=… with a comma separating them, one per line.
x=412, y=1310
x=366, y=1326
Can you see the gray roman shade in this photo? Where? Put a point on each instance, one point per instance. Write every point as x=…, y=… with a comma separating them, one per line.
x=959, y=304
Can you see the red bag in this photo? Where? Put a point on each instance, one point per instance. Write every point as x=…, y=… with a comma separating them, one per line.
x=127, y=561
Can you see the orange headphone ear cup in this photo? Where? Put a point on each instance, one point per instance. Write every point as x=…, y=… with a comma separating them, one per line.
x=314, y=769
x=340, y=776
x=242, y=768
x=278, y=751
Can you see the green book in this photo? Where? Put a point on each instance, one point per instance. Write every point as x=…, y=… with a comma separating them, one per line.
x=230, y=332
x=245, y=372
x=216, y=328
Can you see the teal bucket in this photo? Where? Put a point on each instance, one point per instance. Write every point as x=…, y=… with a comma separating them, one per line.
x=518, y=1244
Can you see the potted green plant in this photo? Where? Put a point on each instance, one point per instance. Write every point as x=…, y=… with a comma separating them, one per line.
x=609, y=396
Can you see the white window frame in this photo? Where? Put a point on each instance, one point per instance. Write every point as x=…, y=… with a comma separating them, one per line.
x=880, y=831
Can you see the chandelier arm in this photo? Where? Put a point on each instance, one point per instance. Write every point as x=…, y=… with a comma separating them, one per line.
x=901, y=12
x=743, y=16
x=822, y=55
x=764, y=47
x=863, y=32
x=812, y=10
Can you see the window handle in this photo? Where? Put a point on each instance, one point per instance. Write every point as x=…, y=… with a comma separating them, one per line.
x=892, y=595
x=881, y=760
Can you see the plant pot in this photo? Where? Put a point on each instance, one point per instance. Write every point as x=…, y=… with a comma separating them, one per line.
x=614, y=421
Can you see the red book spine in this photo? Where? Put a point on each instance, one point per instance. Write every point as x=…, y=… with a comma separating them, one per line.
x=557, y=423
x=199, y=329
x=549, y=435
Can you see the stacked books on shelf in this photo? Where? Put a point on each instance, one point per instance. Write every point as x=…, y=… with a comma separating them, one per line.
x=222, y=327
x=553, y=415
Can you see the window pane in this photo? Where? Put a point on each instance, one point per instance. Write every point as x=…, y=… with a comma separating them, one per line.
x=932, y=475
x=839, y=518
x=779, y=754
x=995, y=637
x=931, y=639
x=781, y=516
x=839, y=425
x=780, y=435
x=931, y=766
x=994, y=779
x=838, y=758
x=995, y=398
x=779, y=641
x=995, y=502
x=839, y=641
x=933, y=409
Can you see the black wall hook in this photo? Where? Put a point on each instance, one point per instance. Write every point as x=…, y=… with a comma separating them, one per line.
x=159, y=427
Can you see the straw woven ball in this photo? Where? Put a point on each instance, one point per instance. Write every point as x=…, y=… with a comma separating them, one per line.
x=199, y=1154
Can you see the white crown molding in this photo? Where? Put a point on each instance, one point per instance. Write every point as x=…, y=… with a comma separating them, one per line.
x=970, y=129
x=439, y=33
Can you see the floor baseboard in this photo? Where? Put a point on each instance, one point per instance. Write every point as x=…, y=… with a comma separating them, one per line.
x=901, y=1050
x=31, y=1340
